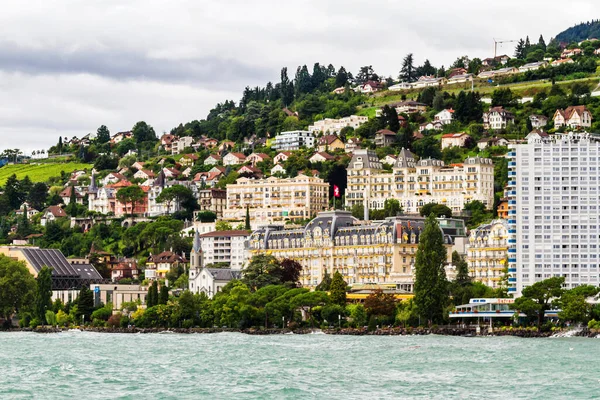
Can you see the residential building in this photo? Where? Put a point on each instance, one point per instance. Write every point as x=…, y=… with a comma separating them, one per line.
x=556, y=63
x=484, y=143
x=159, y=265
x=329, y=143
x=138, y=165
x=112, y=178
x=166, y=141
x=334, y=241
x=278, y=169
x=568, y=53
x=503, y=59
x=502, y=208
x=334, y=126
x=497, y=118
x=228, y=247
x=124, y=269
x=188, y=160
x=352, y=144
x=293, y=140
x=389, y=159
x=181, y=144
x=226, y=145
x=573, y=117
x=255, y=158
x=51, y=214
x=249, y=170
x=371, y=87
x=118, y=295
x=144, y=174
x=214, y=200
x=234, y=159
x=533, y=66
x=431, y=126
x=415, y=184
x=454, y=140
x=282, y=157
x=538, y=121
x=487, y=253
x=276, y=199
x=429, y=81
x=457, y=71
x=320, y=156
x=30, y=210
x=400, y=86
x=410, y=107
x=384, y=138
x=67, y=193
x=444, y=116
x=553, y=193
x=213, y=159
x=463, y=78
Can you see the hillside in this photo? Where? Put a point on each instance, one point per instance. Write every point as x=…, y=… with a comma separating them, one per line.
x=580, y=32
x=40, y=172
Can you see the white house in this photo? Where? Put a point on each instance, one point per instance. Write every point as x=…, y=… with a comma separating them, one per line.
x=454, y=140
x=213, y=159
x=282, y=157
x=444, y=116
x=497, y=118
x=293, y=140
x=180, y=144
x=462, y=78
x=431, y=126
x=51, y=214
x=538, y=121
x=573, y=117
x=320, y=157
x=400, y=86
x=234, y=159
x=278, y=168
x=390, y=159
x=533, y=66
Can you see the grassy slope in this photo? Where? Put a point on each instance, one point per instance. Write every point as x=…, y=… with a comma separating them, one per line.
x=39, y=172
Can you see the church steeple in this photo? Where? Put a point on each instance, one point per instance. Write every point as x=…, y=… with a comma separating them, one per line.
x=196, y=253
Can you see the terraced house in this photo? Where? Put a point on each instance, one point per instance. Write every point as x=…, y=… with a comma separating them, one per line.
x=416, y=183
x=382, y=252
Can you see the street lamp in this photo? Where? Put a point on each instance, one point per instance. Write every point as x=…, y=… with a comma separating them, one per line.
x=282, y=322
x=340, y=321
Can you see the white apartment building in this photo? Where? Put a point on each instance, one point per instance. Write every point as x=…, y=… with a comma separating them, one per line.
x=180, y=144
x=487, y=252
x=225, y=247
x=275, y=200
x=293, y=140
x=554, y=203
x=415, y=184
x=336, y=125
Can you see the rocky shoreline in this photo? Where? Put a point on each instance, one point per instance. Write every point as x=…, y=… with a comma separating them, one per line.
x=396, y=331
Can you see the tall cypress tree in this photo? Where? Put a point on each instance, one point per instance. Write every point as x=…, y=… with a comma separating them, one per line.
x=163, y=297
x=337, y=290
x=247, y=222
x=85, y=303
x=152, y=297
x=43, y=298
x=431, y=286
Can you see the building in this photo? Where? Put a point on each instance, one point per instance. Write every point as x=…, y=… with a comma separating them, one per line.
x=275, y=199
x=380, y=252
x=553, y=193
x=212, y=159
x=385, y=138
x=181, y=144
x=573, y=117
x=67, y=278
x=371, y=87
x=278, y=169
x=352, y=144
x=51, y=214
x=166, y=141
x=67, y=193
x=214, y=200
x=219, y=247
x=533, y=66
x=429, y=81
x=431, y=126
x=321, y=156
x=410, y=107
x=124, y=269
x=556, y=63
x=334, y=126
x=117, y=295
x=463, y=78
x=503, y=59
x=159, y=265
x=293, y=140
x=282, y=157
x=568, y=53
x=329, y=143
x=487, y=253
x=538, y=121
x=454, y=140
x=415, y=184
x=234, y=159
x=484, y=143
x=502, y=208
x=497, y=118
x=444, y=116
x=400, y=86
x=255, y=158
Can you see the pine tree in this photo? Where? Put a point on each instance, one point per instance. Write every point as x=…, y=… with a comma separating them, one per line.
x=431, y=286
x=303, y=82
x=337, y=290
x=542, y=43
x=152, y=296
x=520, y=50
x=286, y=87
x=102, y=134
x=163, y=297
x=325, y=283
x=462, y=269
x=43, y=298
x=407, y=73
x=247, y=222
x=341, y=78
x=85, y=303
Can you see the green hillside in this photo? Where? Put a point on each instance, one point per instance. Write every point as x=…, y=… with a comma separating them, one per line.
x=580, y=32
x=39, y=172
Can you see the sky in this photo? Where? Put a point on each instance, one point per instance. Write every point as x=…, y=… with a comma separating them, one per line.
x=69, y=66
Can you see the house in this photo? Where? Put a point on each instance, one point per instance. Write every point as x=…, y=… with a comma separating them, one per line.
x=400, y=86
x=568, y=53
x=30, y=210
x=497, y=118
x=489, y=142
x=126, y=268
x=234, y=159
x=431, y=126
x=213, y=159
x=255, y=158
x=120, y=136
x=371, y=87
x=426, y=81
x=456, y=71
x=144, y=174
x=556, y=63
x=112, y=178
x=66, y=194
x=444, y=116
x=536, y=134
x=186, y=172
x=278, y=169
x=166, y=141
x=390, y=159
x=289, y=112
x=384, y=138
x=209, y=143
x=250, y=170
x=573, y=117
x=157, y=266
x=226, y=145
x=51, y=214
x=533, y=66
x=454, y=140
x=352, y=144
x=597, y=51
x=503, y=208
x=538, y=121
x=188, y=160
x=181, y=144
x=329, y=143
x=410, y=107
x=460, y=79
x=281, y=157
x=320, y=156
x=138, y=165
x=503, y=59
x=506, y=71
x=171, y=172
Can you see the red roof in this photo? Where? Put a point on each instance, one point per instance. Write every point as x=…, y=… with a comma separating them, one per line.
x=226, y=233
x=386, y=132
x=328, y=139
x=56, y=211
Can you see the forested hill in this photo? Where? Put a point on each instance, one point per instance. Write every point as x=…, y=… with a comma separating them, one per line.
x=580, y=32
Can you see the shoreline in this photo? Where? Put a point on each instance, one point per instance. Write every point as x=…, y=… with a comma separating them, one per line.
x=464, y=332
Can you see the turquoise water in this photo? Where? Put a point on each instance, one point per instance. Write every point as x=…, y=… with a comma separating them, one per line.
x=84, y=365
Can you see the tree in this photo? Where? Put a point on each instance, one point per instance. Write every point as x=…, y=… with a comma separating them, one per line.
x=407, y=73
x=303, y=82
x=337, y=290
x=264, y=270
x=426, y=69
x=152, y=296
x=542, y=43
x=131, y=195
x=43, y=298
x=17, y=286
x=325, y=283
x=13, y=192
x=431, y=295
x=102, y=134
x=573, y=304
x=341, y=78
x=380, y=304
x=38, y=195
x=536, y=299
x=290, y=271
x=462, y=269
x=85, y=303
x=106, y=162
x=438, y=210
x=366, y=73
x=222, y=225
x=142, y=132
x=520, y=50
x=247, y=220
x=163, y=296
x=175, y=193
x=477, y=213
x=389, y=118
x=391, y=207
x=286, y=87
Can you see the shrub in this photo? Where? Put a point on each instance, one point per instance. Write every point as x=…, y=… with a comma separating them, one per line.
x=98, y=322
x=34, y=323
x=124, y=322
x=62, y=318
x=103, y=313
x=24, y=321
x=114, y=320
x=372, y=323
x=188, y=323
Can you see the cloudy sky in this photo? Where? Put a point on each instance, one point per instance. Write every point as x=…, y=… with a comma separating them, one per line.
x=69, y=66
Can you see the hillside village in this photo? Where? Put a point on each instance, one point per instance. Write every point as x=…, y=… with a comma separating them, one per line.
x=347, y=164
